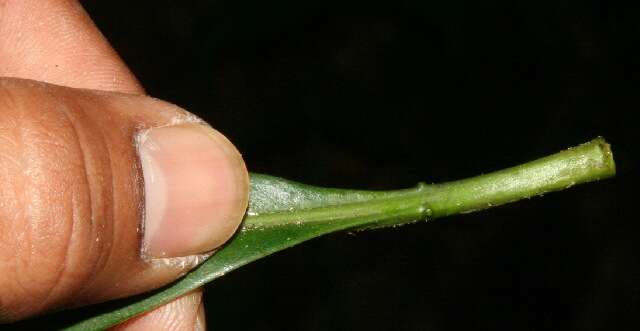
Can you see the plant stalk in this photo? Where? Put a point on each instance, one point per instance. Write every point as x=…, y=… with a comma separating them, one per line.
x=584, y=163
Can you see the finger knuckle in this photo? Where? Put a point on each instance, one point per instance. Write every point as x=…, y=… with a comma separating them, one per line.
x=52, y=181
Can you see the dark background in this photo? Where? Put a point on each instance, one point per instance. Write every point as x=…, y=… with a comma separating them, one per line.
x=382, y=95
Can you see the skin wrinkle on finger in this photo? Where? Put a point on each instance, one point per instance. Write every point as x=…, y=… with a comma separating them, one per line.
x=100, y=230
x=76, y=214
x=11, y=200
x=56, y=187
x=54, y=121
x=55, y=41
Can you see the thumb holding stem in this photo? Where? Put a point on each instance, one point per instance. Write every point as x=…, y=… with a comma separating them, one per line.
x=106, y=195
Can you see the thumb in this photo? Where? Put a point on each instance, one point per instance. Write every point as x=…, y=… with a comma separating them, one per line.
x=106, y=195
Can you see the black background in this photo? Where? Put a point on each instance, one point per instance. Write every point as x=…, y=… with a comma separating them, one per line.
x=383, y=95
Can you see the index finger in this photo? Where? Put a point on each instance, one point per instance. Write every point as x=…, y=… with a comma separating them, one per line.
x=55, y=41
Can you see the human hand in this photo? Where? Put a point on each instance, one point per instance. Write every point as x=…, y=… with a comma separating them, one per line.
x=102, y=194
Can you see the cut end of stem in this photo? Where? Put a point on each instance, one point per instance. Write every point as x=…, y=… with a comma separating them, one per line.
x=608, y=164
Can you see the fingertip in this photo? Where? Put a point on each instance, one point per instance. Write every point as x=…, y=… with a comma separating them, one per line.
x=185, y=313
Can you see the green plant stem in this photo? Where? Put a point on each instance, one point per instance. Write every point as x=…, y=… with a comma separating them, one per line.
x=584, y=163
x=588, y=162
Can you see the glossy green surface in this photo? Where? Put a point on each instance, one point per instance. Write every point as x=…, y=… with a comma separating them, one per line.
x=283, y=213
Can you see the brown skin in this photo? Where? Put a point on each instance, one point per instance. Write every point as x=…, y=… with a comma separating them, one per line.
x=72, y=192
x=70, y=188
x=55, y=41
